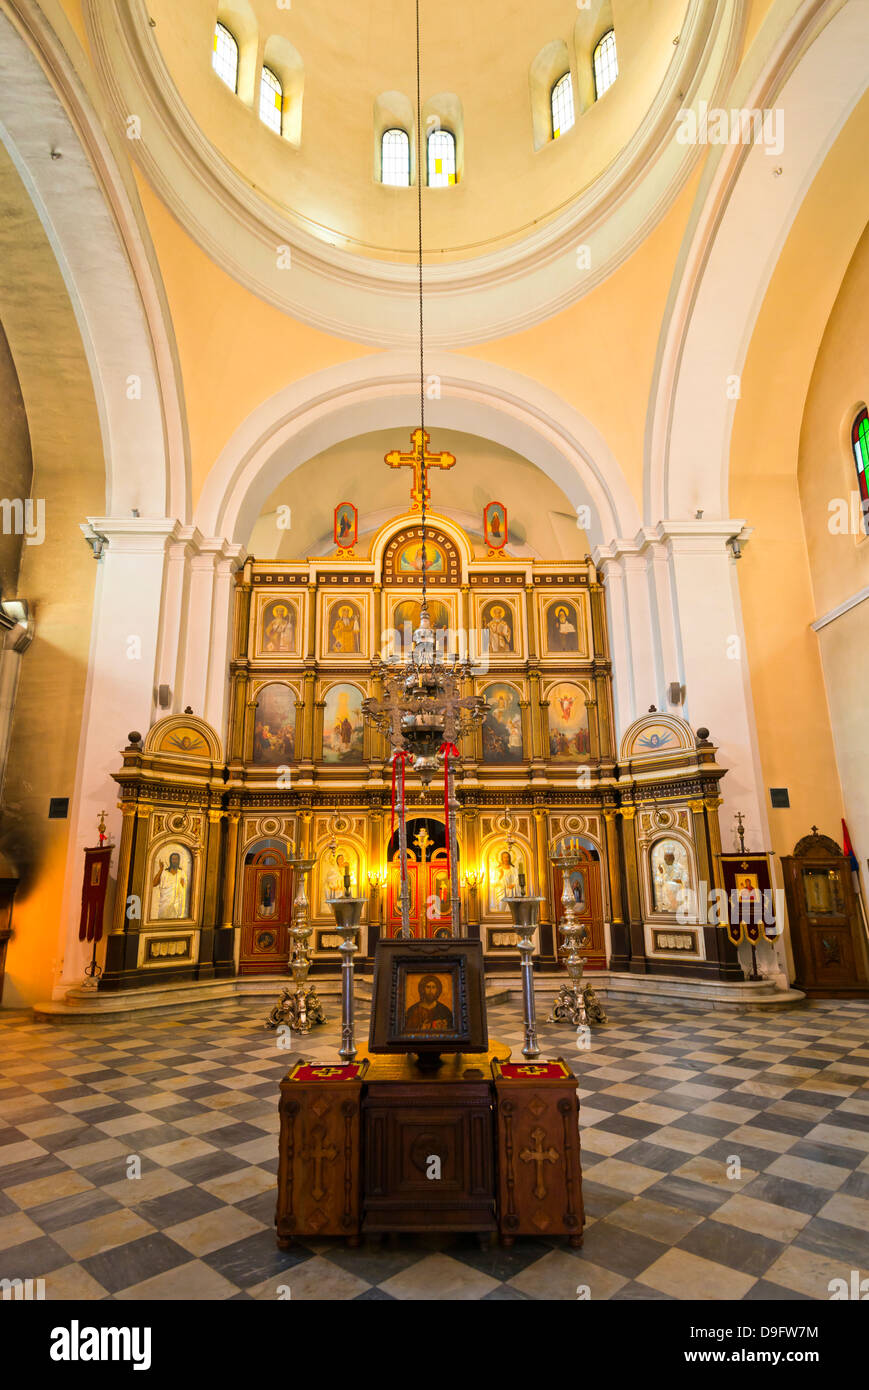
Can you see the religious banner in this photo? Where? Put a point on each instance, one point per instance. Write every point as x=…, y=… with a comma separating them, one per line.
x=750, y=898
x=93, y=892
x=495, y=527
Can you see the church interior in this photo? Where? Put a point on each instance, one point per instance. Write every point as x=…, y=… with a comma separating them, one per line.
x=434, y=610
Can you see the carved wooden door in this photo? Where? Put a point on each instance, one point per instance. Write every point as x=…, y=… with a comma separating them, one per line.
x=267, y=905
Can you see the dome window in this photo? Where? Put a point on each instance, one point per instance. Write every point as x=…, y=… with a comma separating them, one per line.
x=441, y=158
x=561, y=105
x=395, y=158
x=606, y=64
x=224, y=59
x=271, y=101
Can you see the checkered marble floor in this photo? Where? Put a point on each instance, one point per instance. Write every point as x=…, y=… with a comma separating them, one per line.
x=725, y=1156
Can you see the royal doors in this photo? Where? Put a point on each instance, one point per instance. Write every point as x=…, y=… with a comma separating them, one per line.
x=428, y=881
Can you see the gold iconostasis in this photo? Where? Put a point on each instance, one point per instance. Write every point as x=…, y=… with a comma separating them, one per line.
x=303, y=772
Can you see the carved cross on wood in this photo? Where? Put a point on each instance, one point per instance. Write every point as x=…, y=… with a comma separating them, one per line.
x=420, y=460
x=538, y=1156
x=317, y=1151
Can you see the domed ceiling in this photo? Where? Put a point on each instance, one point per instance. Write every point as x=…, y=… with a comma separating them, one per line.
x=302, y=217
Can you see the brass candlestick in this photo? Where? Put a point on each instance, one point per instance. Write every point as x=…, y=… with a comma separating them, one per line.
x=525, y=912
x=300, y=1008
x=348, y=912
x=577, y=1002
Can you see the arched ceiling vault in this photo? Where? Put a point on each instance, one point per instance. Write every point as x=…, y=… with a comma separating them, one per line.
x=809, y=65
x=66, y=169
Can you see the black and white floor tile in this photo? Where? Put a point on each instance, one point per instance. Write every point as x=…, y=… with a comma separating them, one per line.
x=725, y=1156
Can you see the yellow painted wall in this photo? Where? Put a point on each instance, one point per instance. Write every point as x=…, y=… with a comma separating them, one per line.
x=839, y=563
x=56, y=577
x=790, y=698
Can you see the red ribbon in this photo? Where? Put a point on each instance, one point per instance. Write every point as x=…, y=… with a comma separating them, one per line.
x=399, y=757
x=447, y=749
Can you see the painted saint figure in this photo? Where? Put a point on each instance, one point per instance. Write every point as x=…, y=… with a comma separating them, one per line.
x=280, y=630
x=499, y=629
x=170, y=881
x=346, y=630
x=562, y=628
x=429, y=1015
x=670, y=876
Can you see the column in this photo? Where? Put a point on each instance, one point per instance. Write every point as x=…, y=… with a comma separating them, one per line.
x=125, y=851
x=619, y=936
x=548, y=916
x=119, y=696
x=637, y=946
x=715, y=666
x=230, y=869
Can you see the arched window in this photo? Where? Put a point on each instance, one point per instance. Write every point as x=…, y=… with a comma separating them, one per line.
x=395, y=158
x=441, y=158
x=561, y=104
x=860, y=441
x=224, y=59
x=606, y=64
x=271, y=101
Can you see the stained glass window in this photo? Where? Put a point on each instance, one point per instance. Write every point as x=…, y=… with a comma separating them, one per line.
x=606, y=64
x=561, y=101
x=224, y=59
x=441, y=158
x=395, y=158
x=860, y=441
x=271, y=101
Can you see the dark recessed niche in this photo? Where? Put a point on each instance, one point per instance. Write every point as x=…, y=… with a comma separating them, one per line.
x=58, y=808
x=779, y=798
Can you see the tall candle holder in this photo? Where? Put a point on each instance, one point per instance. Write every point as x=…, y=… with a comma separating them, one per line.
x=300, y=1008
x=525, y=913
x=348, y=912
x=577, y=1002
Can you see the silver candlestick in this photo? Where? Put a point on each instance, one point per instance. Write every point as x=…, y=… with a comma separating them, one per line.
x=348, y=912
x=525, y=912
x=300, y=1008
x=577, y=1003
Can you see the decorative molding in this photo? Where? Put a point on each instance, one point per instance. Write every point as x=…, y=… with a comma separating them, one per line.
x=339, y=290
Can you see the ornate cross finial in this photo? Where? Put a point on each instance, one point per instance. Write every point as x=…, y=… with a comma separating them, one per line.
x=420, y=460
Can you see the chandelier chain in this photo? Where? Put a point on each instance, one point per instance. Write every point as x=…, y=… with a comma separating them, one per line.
x=420, y=157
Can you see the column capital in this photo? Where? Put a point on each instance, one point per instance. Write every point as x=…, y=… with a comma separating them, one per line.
x=701, y=537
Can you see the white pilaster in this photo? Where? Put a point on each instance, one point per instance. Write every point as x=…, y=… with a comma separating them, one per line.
x=217, y=693
x=119, y=695
x=714, y=664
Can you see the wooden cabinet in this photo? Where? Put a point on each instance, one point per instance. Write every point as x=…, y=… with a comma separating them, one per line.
x=318, y=1163
x=829, y=953
x=380, y=1146
x=428, y=1156
x=539, y=1170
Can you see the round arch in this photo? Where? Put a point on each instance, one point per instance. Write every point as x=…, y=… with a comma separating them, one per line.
x=382, y=392
x=808, y=67
x=58, y=145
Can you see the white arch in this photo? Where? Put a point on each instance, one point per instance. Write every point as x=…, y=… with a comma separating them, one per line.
x=105, y=260
x=808, y=64
x=381, y=392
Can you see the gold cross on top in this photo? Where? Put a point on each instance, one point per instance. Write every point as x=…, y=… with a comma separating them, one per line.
x=420, y=460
